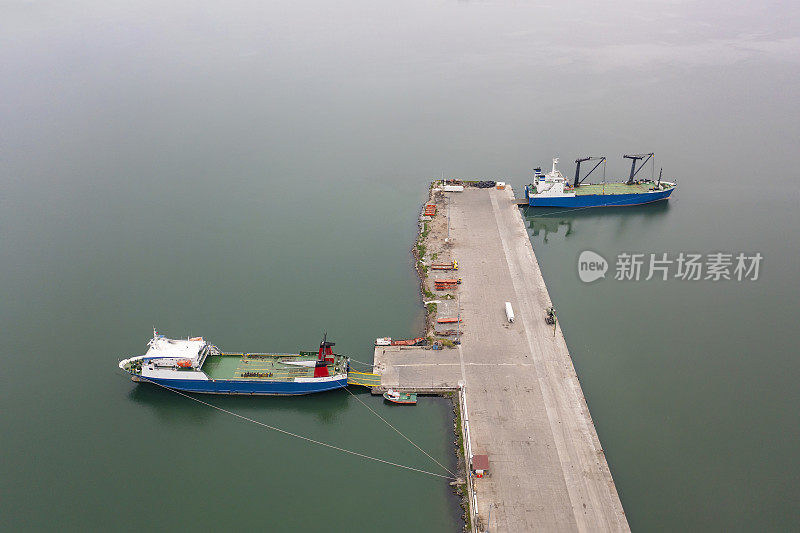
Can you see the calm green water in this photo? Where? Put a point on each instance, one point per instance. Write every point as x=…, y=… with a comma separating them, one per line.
x=252, y=172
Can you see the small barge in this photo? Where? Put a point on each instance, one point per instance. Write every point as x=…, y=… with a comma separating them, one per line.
x=194, y=365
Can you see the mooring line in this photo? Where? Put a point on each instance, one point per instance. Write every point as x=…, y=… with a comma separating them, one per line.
x=301, y=437
x=400, y=433
x=361, y=362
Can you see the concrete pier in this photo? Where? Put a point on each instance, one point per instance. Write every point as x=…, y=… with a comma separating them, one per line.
x=526, y=408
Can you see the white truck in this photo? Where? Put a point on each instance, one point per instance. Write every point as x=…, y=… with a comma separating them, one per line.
x=509, y=312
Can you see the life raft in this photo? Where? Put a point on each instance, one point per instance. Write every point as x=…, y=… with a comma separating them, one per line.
x=185, y=363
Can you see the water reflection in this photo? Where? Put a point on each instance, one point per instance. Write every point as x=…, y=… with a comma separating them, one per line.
x=543, y=226
x=549, y=221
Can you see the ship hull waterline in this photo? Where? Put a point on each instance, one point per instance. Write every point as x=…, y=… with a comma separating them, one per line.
x=246, y=387
x=599, y=200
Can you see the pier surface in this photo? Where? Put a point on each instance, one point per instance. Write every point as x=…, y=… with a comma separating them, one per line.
x=526, y=409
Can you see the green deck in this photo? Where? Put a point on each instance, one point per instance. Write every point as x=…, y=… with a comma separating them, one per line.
x=613, y=188
x=265, y=366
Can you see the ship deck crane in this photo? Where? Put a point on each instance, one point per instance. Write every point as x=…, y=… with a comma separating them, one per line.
x=600, y=161
x=634, y=158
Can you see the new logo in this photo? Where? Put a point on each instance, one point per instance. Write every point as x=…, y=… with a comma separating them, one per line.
x=591, y=266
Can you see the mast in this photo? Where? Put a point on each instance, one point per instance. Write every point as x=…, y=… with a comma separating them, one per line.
x=325, y=348
x=321, y=368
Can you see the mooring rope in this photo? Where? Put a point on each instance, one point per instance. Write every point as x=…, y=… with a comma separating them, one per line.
x=301, y=437
x=400, y=433
x=394, y=428
x=357, y=361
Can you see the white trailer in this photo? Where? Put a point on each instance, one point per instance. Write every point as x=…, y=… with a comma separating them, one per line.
x=509, y=312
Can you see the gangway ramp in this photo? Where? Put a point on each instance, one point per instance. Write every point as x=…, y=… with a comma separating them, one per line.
x=364, y=379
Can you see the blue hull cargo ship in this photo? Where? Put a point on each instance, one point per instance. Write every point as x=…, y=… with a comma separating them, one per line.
x=554, y=190
x=194, y=365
